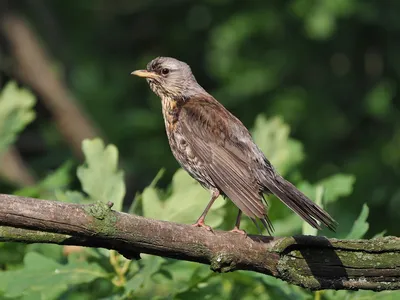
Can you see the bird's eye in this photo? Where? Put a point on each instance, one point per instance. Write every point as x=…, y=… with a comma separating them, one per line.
x=165, y=71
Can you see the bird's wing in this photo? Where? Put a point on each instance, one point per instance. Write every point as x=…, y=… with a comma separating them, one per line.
x=220, y=141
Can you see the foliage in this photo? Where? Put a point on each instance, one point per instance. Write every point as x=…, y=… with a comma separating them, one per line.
x=51, y=184
x=99, y=177
x=15, y=112
x=182, y=204
x=360, y=226
x=44, y=278
x=46, y=274
x=324, y=72
x=272, y=136
x=319, y=66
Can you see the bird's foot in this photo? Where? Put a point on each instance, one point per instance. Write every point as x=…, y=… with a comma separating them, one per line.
x=200, y=223
x=237, y=230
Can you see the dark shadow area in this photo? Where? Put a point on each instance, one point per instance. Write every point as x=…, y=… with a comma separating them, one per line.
x=322, y=260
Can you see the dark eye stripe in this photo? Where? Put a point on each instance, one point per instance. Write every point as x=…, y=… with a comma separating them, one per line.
x=154, y=65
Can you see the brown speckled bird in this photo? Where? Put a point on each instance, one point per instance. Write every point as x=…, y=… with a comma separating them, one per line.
x=216, y=149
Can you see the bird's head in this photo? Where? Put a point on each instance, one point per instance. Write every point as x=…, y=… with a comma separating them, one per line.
x=169, y=77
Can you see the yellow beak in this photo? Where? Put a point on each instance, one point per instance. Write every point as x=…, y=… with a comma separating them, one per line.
x=144, y=73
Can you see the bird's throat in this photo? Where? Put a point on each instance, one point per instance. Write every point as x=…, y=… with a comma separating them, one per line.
x=171, y=108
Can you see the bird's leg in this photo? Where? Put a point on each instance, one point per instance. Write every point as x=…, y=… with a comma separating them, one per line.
x=200, y=221
x=237, y=224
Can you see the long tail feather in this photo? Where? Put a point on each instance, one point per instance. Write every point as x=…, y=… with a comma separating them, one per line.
x=299, y=203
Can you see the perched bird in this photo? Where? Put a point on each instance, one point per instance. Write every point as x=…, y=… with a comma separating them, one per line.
x=217, y=150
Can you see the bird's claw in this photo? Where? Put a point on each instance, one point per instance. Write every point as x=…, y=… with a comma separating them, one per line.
x=240, y=231
x=201, y=224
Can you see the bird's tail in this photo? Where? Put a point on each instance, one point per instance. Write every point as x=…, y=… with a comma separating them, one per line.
x=299, y=203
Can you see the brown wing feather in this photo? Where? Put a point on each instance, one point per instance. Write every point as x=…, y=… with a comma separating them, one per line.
x=203, y=123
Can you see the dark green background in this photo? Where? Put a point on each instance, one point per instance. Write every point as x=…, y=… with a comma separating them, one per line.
x=327, y=68
x=330, y=68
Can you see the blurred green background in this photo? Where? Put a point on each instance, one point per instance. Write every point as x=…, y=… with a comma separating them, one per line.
x=326, y=69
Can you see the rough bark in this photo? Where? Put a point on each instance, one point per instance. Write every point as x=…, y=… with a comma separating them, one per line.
x=312, y=262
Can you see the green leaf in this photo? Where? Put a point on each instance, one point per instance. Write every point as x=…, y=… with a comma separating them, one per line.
x=379, y=234
x=47, y=188
x=272, y=136
x=336, y=186
x=150, y=266
x=46, y=278
x=289, y=225
x=72, y=197
x=152, y=203
x=278, y=289
x=58, y=179
x=99, y=176
x=15, y=112
x=51, y=251
x=157, y=178
x=360, y=226
x=185, y=203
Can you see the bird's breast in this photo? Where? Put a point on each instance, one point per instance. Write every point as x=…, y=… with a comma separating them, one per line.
x=171, y=109
x=182, y=151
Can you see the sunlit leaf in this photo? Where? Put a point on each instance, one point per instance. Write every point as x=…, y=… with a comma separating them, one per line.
x=379, y=234
x=278, y=289
x=72, y=197
x=272, y=136
x=15, y=112
x=335, y=186
x=50, y=185
x=99, y=176
x=151, y=203
x=360, y=226
x=46, y=278
x=289, y=225
x=185, y=203
x=150, y=265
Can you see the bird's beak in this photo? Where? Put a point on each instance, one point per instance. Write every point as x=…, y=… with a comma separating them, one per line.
x=144, y=73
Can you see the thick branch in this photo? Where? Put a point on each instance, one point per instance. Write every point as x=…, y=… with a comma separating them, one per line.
x=312, y=262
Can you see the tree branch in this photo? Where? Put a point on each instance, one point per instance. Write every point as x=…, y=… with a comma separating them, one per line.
x=311, y=262
x=34, y=67
x=14, y=169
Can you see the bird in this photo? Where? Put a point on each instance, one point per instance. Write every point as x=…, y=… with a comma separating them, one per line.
x=218, y=151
